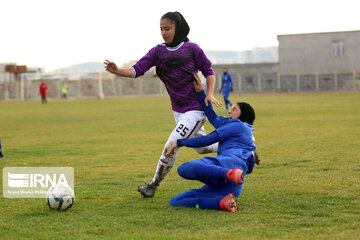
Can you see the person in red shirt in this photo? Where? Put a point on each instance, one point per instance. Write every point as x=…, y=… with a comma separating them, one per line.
x=1, y=155
x=43, y=89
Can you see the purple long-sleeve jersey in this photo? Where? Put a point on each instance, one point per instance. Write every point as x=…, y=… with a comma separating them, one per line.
x=176, y=67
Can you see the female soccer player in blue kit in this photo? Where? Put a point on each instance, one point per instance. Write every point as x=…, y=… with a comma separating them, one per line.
x=224, y=174
x=226, y=87
x=176, y=61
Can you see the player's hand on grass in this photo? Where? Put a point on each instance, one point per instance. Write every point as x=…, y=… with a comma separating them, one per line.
x=111, y=67
x=171, y=149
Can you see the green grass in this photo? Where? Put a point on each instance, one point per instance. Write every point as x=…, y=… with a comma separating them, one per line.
x=307, y=186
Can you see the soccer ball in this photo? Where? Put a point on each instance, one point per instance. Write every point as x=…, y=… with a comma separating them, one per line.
x=60, y=197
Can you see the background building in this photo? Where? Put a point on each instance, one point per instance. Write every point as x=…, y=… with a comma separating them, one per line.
x=323, y=53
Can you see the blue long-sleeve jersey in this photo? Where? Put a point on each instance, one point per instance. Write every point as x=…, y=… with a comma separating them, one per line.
x=234, y=136
x=226, y=82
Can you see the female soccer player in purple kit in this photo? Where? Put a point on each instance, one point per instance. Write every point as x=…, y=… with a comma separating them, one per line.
x=176, y=61
x=224, y=174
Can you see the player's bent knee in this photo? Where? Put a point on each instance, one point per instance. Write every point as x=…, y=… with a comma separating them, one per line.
x=188, y=170
x=174, y=202
x=182, y=169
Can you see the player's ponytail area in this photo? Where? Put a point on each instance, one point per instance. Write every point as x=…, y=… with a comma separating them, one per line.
x=307, y=186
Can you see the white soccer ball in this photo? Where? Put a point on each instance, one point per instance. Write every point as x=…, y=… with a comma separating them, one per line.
x=60, y=197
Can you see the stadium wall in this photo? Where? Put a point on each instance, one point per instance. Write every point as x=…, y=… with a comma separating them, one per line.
x=249, y=81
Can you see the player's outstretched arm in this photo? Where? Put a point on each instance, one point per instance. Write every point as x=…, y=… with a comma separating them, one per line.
x=210, y=113
x=210, y=83
x=195, y=142
x=113, y=68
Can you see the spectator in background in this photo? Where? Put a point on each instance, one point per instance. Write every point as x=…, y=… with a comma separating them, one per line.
x=64, y=91
x=226, y=87
x=1, y=155
x=43, y=90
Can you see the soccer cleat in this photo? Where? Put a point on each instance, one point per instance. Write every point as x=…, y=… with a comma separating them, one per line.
x=148, y=190
x=228, y=203
x=1, y=155
x=235, y=175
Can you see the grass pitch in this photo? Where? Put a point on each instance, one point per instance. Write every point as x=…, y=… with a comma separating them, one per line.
x=307, y=186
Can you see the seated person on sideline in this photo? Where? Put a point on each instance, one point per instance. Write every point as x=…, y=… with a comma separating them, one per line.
x=224, y=174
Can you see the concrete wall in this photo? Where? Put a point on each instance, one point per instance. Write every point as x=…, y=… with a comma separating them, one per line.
x=248, y=77
x=311, y=53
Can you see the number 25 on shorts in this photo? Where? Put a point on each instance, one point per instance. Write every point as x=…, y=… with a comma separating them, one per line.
x=182, y=130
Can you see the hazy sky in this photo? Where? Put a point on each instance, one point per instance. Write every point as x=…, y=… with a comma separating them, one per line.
x=58, y=33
